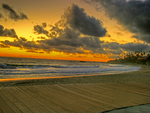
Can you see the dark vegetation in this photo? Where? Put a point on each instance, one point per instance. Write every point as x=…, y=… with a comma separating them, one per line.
x=137, y=57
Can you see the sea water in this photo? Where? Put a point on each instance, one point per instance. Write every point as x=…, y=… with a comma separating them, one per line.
x=31, y=68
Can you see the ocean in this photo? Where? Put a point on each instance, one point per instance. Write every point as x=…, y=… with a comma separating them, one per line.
x=31, y=68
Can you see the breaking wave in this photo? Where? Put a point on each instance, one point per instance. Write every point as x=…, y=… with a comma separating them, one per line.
x=28, y=68
x=15, y=66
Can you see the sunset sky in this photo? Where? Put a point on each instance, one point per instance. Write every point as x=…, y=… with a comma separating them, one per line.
x=87, y=30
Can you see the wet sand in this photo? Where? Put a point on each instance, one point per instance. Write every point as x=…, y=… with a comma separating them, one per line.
x=85, y=94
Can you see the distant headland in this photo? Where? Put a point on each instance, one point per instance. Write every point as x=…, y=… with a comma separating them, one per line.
x=136, y=58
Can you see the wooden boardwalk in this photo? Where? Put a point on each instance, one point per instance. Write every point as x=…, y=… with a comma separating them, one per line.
x=72, y=98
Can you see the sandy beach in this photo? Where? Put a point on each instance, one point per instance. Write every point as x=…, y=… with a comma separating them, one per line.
x=84, y=94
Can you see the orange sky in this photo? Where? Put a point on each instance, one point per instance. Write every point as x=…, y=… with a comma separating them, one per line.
x=50, y=12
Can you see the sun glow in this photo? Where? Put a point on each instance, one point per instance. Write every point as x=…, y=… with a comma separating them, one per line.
x=16, y=52
x=74, y=30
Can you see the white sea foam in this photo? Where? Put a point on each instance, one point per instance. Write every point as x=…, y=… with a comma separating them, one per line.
x=24, y=68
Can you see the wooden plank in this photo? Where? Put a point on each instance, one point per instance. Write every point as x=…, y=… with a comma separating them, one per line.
x=97, y=96
x=28, y=102
x=42, y=99
x=35, y=100
x=1, y=111
x=72, y=102
x=9, y=102
x=142, y=85
x=4, y=106
x=127, y=94
x=12, y=96
x=88, y=101
x=122, y=97
x=86, y=98
x=131, y=88
x=126, y=88
x=59, y=99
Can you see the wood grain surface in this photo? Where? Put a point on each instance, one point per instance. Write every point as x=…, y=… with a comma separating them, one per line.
x=72, y=98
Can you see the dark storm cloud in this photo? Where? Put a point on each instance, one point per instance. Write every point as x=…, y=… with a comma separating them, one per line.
x=79, y=20
x=44, y=24
x=68, y=42
x=4, y=46
x=116, y=48
x=116, y=52
x=65, y=35
x=134, y=47
x=134, y=14
x=107, y=35
x=94, y=45
x=145, y=38
x=40, y=30
x=119, y=33
x=34, y=51
x=111, y=45
x=43, y=38
x=23, y=39
x=68, y=34
x=21, y=42
x=12, y=14
x=7, y=32
x=74, y=33
x=46, y=46
x=1, y=16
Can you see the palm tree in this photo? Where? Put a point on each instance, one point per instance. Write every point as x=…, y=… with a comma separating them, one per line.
x=137, y=55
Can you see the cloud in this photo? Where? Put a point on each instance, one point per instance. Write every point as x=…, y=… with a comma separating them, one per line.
x=77, y=45
x=69, y=37
x=23, y=39
x=43, y=38
x=46, y=45
x=74, y=18
x=21, y=42
x=69, y=42
x=44, y=24
x=111, y=45
x=1, y=16
x=12, y=14
x=119, y=33
x=7, y=32
x=4, y=46
x=116, y=48
x=145, y=38
x=112, y=48
x=74, y=33
x=65, y=35
x=77, y=19
x=107, y=35
x=34, y=51
x=135, y=47
x=133, y=14
x=40, y=29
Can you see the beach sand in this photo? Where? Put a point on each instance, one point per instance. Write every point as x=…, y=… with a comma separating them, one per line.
x=84, y=94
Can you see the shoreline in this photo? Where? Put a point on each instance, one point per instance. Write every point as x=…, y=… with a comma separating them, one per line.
x=95, y=78
x=86, y=94
x=37, y=78
x=74, y=76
